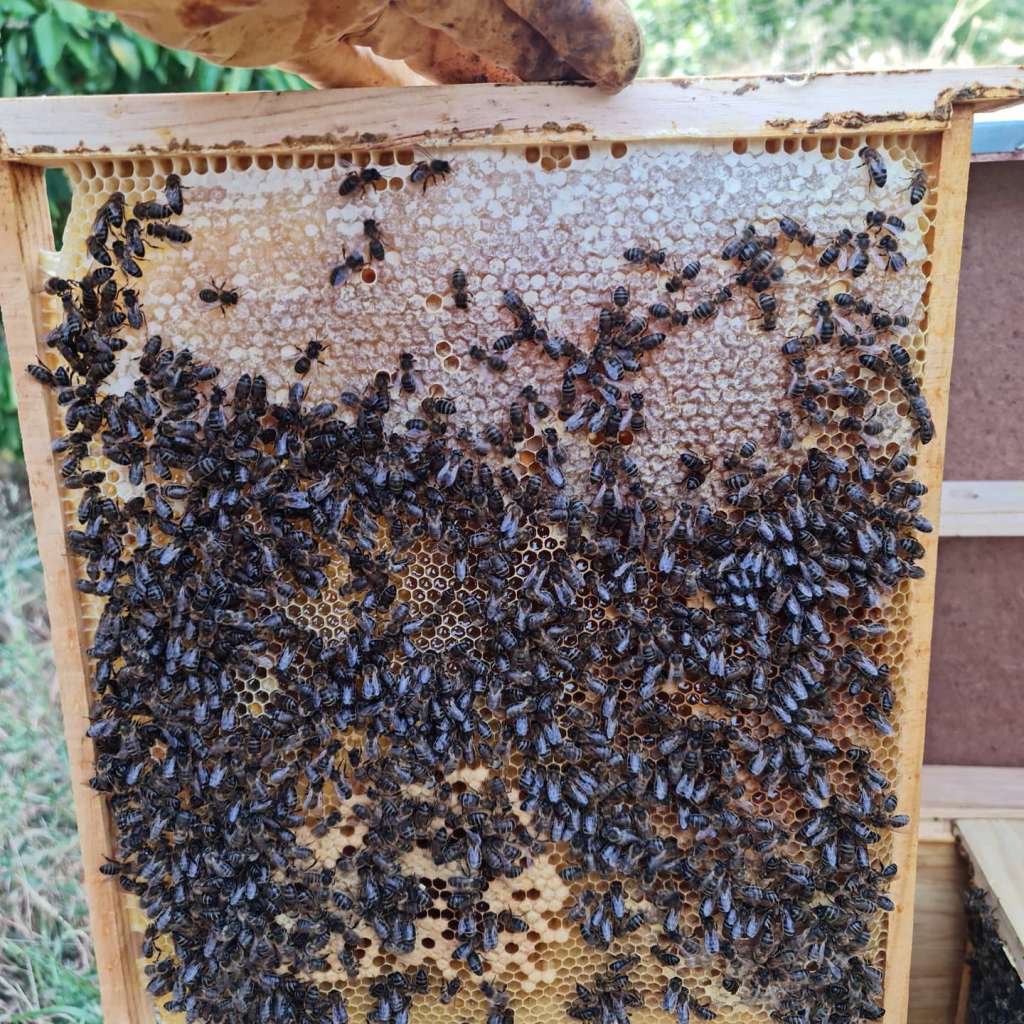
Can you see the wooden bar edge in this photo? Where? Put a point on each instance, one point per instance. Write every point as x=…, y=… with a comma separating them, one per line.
x=25, y=232
x=982, y=508
x=53, y=130
x=954, y=165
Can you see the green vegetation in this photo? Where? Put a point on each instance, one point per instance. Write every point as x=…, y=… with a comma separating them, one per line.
x=46, y=971
x=56, y=47
x=713, y=37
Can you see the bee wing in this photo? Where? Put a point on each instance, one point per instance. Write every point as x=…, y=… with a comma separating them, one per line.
x=845, y=324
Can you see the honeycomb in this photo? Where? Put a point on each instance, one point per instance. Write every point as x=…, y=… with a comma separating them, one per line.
x=551, y=222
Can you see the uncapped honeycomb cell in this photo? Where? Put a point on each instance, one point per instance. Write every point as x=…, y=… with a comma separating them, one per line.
x=551, y=222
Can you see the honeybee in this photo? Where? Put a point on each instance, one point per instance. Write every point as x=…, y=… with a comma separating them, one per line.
x=172, y=193
x=310, y=355
x=709, y=308
x=677, y=282
x=769, y=315
x=918, y=186
x=374, y=239
x=132, y=308
x=125, y=259
x=733, y=249
x=796, y=231
x=875, y=164
x=429, y=170
x=152, y=210
x=460, y=292
x=219, y=294
x=638, y=254
x=170, y=232
x=835, y=249
x=362, y=179
x=352, y=262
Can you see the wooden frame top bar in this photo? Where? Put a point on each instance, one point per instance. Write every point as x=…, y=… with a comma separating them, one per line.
x=51, y=130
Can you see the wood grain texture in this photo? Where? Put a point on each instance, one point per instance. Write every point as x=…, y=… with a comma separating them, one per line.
x=995, y=848
x=25, y=232
x=50, y=129
x=954, y=165
x=962, y=791
x=940, y=932
x=949, y=792
x=963, y=996
x=982, y=508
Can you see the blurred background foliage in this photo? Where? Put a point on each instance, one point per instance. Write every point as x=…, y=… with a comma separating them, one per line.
x=55, y=47
x=715, y=37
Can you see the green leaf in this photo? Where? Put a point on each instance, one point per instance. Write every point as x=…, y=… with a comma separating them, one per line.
x=14, y=54
x=13, y=9
x=208, y=77
x=187, y=60
x=126, y=54
x=150, y=52
x=57, y=77
x=236, y=80
x=50, y=35
x=74, y=15
x=84, y=51
x=279, y=80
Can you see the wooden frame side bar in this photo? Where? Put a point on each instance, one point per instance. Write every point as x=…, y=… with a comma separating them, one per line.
x=982, y=508
x=24, y=232
x=50, y=130
x=954, y=166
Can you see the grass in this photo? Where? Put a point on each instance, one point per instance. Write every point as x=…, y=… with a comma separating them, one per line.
x=46, y=963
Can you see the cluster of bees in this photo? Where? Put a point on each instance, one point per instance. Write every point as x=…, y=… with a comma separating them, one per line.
x=995, y=992
x=425, y=172
x=639, y=696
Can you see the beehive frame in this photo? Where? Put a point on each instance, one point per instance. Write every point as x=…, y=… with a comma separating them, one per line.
x=932, y=107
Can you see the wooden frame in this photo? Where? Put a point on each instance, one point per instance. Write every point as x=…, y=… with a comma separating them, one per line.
x=24, y=232
x=36, y=133
x=993, y=846
x=47, y=129
x=952, y=797
x=982, y=508
x=954, y=164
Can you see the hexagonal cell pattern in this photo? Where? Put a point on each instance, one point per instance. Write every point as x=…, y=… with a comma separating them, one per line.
x=553, y=223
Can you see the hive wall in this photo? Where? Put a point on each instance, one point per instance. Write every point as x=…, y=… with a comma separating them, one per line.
x=551, y=222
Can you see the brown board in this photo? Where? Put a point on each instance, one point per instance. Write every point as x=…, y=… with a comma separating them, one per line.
x=975, y=677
